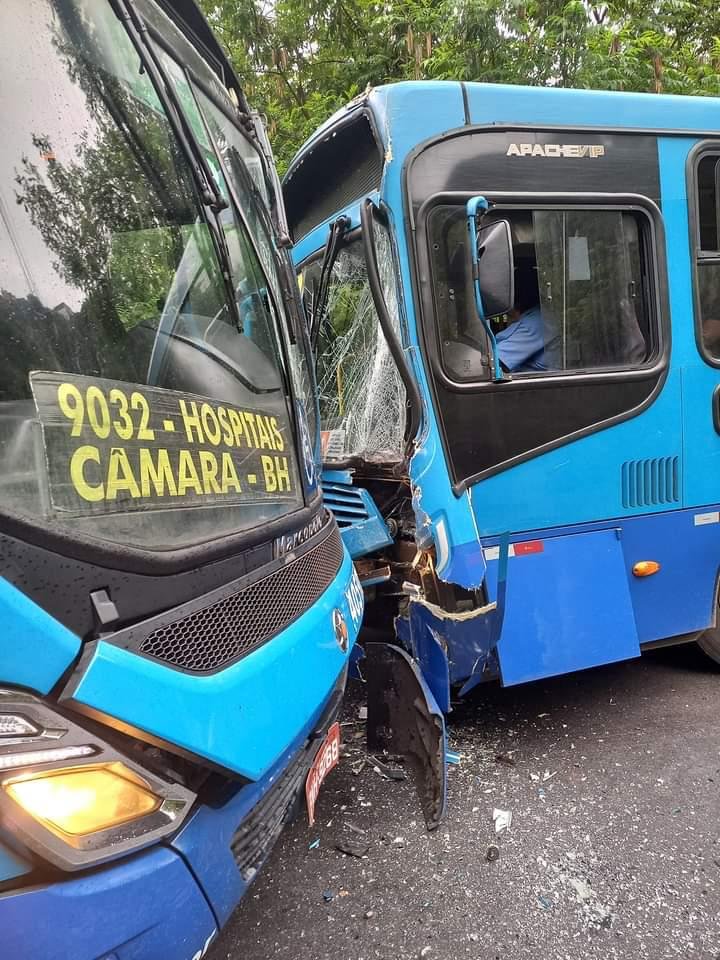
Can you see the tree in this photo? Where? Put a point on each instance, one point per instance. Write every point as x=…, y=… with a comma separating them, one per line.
x=300, y=61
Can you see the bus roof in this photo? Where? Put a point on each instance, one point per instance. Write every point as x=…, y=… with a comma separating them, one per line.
x=410, y=112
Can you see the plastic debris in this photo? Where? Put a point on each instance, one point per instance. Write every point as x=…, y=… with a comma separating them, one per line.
x=359, y=765
x=544, y=902
x=369, y=914
x=503, y=819
x=493, y=853
x=328, y=895
x=353, y=848
x=315, y=844
x=534, y=777
x=548, y=776
x=398, y=841
x=362, y=713
x=388, y=772
x=452, y=757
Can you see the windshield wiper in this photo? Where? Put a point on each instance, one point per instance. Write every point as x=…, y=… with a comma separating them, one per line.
x=208, y=189
x=337, y=231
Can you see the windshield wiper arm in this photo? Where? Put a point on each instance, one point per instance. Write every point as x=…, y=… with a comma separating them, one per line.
x=337, y=231
x=208, y=189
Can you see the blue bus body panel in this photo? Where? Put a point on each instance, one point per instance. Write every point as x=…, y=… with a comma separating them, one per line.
x=679, y=599
x=241, y=718
x=591, y=109
x=35, y=650
x=581, y=481
x=568, y=607
x=145, y=908
x=12, y=865
x=205, y=840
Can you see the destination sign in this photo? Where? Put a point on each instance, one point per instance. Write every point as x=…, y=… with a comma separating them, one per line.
x=115, y=447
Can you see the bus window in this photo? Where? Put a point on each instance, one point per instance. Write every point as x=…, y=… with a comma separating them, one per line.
x=708, y=253
x=580, y=294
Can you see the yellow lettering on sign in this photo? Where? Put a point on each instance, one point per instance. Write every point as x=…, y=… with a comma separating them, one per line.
x=227, y=432
x=279, y=442
x=210, y=423
x=209, y=469
x=265, y=440
x=92, y=492
x=229, y=476
x=237, y=425
x=282, y=473
x=191, y=421
x=158, y=474
x=71, y=403
x=187, y=474
x=120, y=475
x=249, y=419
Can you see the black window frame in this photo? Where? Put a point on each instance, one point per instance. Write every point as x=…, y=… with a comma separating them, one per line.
x=698, y=152
x=655, y=267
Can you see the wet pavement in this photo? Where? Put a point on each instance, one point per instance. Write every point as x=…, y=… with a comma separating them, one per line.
x=612, y=777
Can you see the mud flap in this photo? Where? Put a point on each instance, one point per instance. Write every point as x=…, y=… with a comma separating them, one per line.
x=403, y=718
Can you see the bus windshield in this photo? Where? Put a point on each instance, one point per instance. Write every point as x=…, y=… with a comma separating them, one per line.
x=144, y=381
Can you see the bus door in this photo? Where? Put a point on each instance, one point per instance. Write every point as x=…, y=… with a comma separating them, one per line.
x=580, y=424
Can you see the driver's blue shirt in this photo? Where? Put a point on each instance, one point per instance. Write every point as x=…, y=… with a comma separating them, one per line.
x=521, y=345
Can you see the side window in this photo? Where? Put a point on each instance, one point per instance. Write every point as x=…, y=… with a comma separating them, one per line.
x=707, y=252
x=582, y=295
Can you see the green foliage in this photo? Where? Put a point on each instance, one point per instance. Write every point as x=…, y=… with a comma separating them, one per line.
x=300, y=60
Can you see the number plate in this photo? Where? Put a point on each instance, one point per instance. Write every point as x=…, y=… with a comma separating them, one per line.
x=325, y=759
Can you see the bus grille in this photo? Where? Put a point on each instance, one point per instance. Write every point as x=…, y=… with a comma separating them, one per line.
x=255, y=837
x=211, y=637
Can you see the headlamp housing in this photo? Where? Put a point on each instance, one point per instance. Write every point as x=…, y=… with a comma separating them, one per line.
x=71, y=797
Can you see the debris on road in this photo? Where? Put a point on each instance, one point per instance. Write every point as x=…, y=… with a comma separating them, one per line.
x=493, y=853
x=506, y=758
x=503, y=819
x=328, y=895
x=386, y=771
x=353, y=848
x=315, y=844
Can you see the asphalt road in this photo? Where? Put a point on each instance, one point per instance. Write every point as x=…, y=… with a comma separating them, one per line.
x=613, y=780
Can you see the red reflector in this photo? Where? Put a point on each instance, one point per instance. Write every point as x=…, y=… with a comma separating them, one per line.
x=529, y=546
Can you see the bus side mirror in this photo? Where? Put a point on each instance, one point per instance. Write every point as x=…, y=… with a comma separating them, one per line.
x=493, y=268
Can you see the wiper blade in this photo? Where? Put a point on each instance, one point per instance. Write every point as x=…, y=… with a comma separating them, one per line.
x=208, y=189
x=337, y=230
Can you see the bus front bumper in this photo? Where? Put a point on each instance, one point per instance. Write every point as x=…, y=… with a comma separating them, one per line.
x=169, y=901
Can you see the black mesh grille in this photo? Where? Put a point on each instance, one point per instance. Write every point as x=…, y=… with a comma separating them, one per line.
x=254, y=839
x=215, y=635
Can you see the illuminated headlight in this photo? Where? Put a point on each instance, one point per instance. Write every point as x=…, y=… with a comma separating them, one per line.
x=71, y=797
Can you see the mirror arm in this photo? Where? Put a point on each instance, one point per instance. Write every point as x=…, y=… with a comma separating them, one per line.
x=474, y=206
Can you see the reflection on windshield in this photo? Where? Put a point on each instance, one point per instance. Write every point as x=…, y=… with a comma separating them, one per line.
x=107, y=269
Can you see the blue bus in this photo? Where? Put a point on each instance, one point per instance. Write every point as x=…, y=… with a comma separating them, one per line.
x=515, y=306
x=177, y=606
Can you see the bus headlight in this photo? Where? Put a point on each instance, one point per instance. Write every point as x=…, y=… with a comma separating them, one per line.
x=71, y=797
x=83, y=800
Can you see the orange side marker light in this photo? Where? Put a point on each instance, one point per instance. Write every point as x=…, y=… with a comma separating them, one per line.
x=645, y=568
